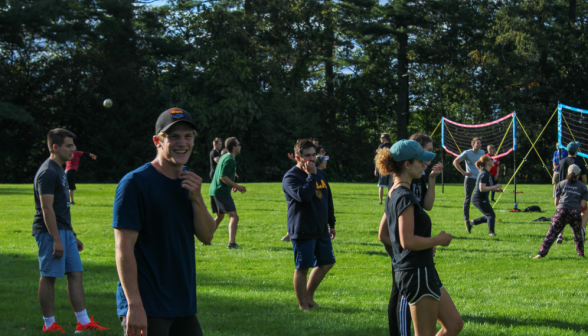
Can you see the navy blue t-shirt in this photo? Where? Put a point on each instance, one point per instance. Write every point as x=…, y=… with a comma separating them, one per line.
x=159, y=208
x=50, y=180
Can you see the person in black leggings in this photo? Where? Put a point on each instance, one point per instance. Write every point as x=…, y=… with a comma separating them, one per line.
x=480, y=200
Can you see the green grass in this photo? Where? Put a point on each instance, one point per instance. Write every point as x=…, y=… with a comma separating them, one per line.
x=495, y=285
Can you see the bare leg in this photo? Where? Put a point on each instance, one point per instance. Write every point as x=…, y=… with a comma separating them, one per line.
x=451, y=322
x=233, y=222
x=47, y=295
x=300, y=288
x=381, y=193
x=316, y=277
x=424, y=316
x=75, y=291
x=584, y=218
x=71, y=199
x=218, y=219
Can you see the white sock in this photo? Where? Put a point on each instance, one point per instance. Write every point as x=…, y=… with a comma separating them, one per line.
x=83, y=317
x=48, y=321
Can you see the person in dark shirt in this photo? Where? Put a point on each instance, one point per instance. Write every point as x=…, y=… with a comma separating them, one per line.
x=570, y=197
x=480, y=200
x=158, y=212
x=59, y=246
x=215, y=155
x=383, y=180
x=409, y=231
x=564, y=165
x=311, y=222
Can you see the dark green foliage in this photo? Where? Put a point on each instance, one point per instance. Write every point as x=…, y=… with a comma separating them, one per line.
x=273, y=71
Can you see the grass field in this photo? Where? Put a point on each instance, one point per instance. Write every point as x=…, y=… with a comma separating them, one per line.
x=495, y=285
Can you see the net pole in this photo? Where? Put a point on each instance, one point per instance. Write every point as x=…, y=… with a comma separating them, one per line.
x=443, y=154
x=514, y=157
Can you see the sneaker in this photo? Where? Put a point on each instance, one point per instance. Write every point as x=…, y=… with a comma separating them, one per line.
x=492, y=234
x=93, y=325
x=468, y=226
x=286, y=238
x=560, y=239
x=233, y=246
x=72, y=203
x=54, y=328
x=206, y=244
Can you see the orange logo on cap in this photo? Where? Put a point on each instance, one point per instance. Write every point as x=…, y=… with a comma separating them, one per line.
x=177, y=113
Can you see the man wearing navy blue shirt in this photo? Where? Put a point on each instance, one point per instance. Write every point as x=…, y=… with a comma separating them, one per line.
x=311, y=222
x=158, y=209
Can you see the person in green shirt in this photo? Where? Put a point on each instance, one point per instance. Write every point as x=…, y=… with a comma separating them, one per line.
x=223, y=182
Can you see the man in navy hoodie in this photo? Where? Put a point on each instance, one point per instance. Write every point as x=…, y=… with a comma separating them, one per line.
x=311, y=222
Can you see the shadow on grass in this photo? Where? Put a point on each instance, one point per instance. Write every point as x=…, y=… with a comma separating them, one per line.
x=380, y=253
x=16, y=191
x=509, y=322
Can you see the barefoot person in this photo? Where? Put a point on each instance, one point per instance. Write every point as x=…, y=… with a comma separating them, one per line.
x=399, y=317
x=409, y=227
x=158, y=210
x=223, y=182
x=311, y=222
x=570, y=197
x=71, y=170
x=59, y=246
x=483, y=187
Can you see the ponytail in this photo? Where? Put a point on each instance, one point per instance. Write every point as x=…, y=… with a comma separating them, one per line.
x=572, y=178
x=481, y=163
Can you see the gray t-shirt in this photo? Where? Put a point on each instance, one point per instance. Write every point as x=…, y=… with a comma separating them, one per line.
x=470, y=159
x=51, y=180
x=570, y=195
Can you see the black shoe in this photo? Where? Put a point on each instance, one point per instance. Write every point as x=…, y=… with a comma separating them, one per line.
x=468, y=226
x=233, y=246
x=492, y=200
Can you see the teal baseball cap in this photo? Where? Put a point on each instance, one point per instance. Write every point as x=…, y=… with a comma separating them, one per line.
x=409, y=149
x=573, y=146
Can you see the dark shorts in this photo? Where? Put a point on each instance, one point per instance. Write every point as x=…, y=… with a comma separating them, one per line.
x=71, y=178
x=383, y=180
x=222, y=205
x=417, y=283
x=309, y=253
x=159, y=326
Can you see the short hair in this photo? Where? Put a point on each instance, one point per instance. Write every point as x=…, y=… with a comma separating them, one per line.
x=303, y=144
x=57, y=137
x=421, y=138
x=475, y=139
x=386, y=135
x=230, y=143
x=490, y=146
x=216, y=140
x=315, y=139
x=318, y=148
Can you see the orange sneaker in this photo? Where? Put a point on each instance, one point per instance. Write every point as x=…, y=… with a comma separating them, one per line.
x=93, y=325
x=54, y=328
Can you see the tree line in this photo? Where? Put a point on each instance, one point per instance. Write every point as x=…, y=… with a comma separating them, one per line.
x=272, y=71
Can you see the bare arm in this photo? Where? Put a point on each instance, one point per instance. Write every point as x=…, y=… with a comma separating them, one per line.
x=51, y=223
x=204, y=225
x=216, y=159
x=383, y=233
x=230, y=182
x=430, y=195
x=410, y=241
x=556, y=202
x=584, y=179
x=483, y=187
x=583, y=203
x=126, y=265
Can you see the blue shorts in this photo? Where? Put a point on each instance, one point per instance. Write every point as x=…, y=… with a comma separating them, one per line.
x=310, y=253
x=52, y=267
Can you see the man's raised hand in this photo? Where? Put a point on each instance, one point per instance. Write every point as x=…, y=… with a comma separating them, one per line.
x=309, y=167
x=192, y=183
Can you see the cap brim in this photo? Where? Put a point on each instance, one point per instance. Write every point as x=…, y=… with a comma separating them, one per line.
x=175, y=122
x=427, y=156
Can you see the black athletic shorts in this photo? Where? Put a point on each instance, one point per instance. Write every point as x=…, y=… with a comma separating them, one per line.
x=159, y=326
x=71, y=178
x=414, y=284
x=222, y=205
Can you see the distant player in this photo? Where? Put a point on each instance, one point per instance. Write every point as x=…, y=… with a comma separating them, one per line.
x=222, y=184
x=470, y=157
x=59, y=247
x=383, y=180
x=158, y=210
x=558, y=155
x=71, y=169
x=483, y=187
x=564, y=165
x=495, y=170
x=215, y=155
x=311, y=222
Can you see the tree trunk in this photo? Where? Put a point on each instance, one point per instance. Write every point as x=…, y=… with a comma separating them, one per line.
x=330, y=34
x=402, y=114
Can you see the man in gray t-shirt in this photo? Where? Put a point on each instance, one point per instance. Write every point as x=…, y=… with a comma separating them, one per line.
x=470, y=157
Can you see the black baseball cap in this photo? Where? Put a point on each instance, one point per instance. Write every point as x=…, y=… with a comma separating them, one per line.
x=170, y=117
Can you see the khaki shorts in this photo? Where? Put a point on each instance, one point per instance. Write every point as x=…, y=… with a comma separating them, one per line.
x=555, y=179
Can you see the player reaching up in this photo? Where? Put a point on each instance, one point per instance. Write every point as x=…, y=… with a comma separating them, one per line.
x=71, y=170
